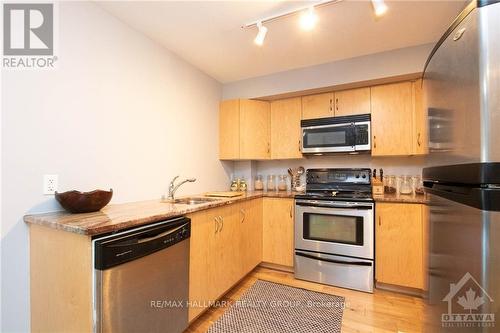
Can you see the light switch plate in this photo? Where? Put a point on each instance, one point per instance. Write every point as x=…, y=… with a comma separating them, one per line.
x=50, y=183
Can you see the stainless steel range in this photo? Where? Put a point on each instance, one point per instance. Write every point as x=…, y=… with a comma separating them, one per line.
x=334, y=229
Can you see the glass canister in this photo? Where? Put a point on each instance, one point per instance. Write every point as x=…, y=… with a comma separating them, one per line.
x=282, y=182
x=234, y=185
x=418, y=185
x=258, y=184
x=242, y=185
x=406, y=185
x=271, y=183
x=390, y=185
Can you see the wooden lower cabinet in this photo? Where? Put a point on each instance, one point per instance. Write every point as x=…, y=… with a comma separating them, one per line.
x=399, y=244
x=277, y=233
x=225, y=245
x=250, y=235
x=60, y=280
x=202, y=262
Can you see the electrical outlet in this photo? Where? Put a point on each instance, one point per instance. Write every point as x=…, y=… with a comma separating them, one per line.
x=50, y=183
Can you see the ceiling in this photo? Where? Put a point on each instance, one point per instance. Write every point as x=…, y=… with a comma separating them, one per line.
x=208, y=34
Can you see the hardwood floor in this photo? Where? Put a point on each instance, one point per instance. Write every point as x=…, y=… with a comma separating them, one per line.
x=382, y=311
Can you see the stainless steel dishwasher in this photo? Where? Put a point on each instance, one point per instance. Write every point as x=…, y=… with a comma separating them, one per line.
x=141, y=278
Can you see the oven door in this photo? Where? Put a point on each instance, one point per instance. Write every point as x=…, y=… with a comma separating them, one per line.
x=335, y=227
x=328, y=138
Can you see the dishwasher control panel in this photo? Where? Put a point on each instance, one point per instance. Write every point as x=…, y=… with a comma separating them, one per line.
x=128, y=245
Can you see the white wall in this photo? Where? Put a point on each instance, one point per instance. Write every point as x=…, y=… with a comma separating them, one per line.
x=370, y=67
x=119, y=112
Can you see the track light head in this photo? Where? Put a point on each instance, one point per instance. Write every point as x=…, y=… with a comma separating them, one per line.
x=379, y=7
x=261, y=35
x=308, y=19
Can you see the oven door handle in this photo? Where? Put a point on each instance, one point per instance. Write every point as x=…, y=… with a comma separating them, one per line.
x=332, y=205
x=358, y=263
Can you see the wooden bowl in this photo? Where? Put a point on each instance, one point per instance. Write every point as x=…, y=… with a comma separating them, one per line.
x=84, y=202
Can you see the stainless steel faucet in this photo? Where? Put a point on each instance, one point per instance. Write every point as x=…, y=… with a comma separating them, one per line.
x=172, y=188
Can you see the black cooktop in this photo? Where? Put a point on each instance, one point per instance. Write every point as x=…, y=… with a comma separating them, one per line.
x=338, y=184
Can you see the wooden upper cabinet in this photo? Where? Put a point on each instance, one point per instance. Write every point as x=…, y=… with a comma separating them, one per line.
x=285, y=128
x=353, y=101
x=229, y=129
x=244, y=129
x=420, y=131
x=254, y=130
x=392, y=118
x=259, y=130
x=400, y=244
x=317, y=106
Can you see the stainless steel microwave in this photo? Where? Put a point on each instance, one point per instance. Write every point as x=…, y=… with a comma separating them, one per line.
x=336, y=134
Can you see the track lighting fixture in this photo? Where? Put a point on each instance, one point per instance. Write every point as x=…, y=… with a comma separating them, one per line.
x=308, y=19
x=379, y=7
x=261, y=35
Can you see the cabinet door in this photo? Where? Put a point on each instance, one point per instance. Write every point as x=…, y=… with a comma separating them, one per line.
x=353, y=101
x=277, y=231
x=399, y=244
x=285, y=128
x=420, y=132
x=201, y=263
x=227, y=249
x=254, y=130
x=317, y=106
x=229, y=130
x=250, y=235
x=392, y=113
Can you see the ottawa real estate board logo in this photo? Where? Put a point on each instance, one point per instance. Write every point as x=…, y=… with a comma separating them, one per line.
x=468, y=305
x=28, y=36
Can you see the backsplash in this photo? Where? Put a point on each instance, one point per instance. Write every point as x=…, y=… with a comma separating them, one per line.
x=405, y=165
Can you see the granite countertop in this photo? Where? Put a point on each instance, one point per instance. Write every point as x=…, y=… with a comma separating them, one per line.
x=121, y=216
x=402, y=198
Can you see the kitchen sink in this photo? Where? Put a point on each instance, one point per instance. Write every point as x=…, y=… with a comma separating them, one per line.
x=193, y=200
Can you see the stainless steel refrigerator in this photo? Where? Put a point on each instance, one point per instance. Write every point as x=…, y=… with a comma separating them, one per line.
x=462, y=92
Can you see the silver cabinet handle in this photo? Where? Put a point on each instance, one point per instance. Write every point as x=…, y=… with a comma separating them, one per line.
x=221, y=223
x=242, y=211
x=216, y=220
x=418, y=140
x=291, y=207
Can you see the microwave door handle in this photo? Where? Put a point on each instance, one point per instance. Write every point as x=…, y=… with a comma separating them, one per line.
x=353, y=135
x=357, y=263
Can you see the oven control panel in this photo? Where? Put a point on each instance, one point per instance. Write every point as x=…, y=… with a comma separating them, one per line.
x=338, y=176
